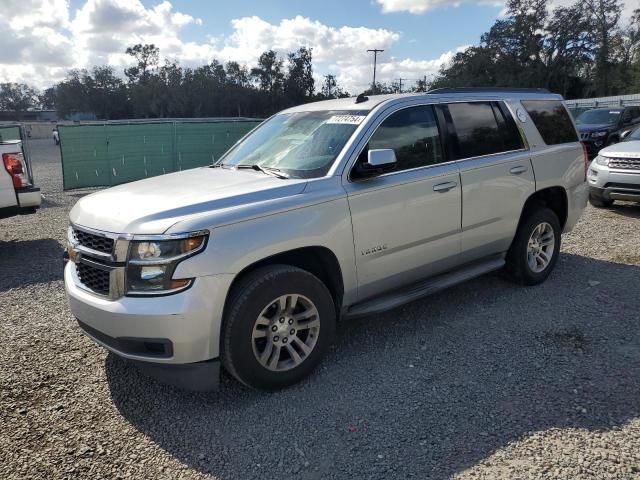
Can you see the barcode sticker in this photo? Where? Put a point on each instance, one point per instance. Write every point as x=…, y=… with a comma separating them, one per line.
x=346, y=119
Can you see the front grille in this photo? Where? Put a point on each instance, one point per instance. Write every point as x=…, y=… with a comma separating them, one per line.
x=625, y=163
x=95, y=279
x=622, y=186
x=93, y=241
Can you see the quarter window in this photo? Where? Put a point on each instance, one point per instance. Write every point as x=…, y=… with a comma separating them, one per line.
x=412, y=133
x=483, y=128
x=552, y=121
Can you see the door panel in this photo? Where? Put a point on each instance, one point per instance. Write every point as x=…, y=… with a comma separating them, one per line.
x=404, y=230
x=494, y=190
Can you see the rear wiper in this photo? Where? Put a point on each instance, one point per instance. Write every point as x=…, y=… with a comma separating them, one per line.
x=274, y=172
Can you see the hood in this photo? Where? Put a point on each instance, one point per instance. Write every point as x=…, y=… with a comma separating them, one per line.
x=629, y=149
x=153, y=205
x=594, y=127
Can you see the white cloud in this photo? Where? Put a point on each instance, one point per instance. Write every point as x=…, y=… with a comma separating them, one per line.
x=340, y=51
x=422, y=6
x=43, y=39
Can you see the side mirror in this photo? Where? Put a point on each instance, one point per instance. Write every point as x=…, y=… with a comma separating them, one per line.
x=379, y=161
x=624, y=134
x=382, y=158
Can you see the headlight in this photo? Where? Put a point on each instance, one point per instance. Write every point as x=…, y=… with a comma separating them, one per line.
x=598, y=134
x=152, y=263
x=604, y=161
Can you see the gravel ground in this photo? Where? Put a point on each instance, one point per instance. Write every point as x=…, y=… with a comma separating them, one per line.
x=486, y=380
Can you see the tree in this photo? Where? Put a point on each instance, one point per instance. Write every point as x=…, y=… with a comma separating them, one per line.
x=17, y=97
x=147, y=57
x=237, y=74
x=579, y=50
x=107, y=95
x=268, y=73
x=329, y=86
x=47, y=99
x=299, y=84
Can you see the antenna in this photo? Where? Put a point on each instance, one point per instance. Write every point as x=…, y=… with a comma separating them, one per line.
x=375, y=61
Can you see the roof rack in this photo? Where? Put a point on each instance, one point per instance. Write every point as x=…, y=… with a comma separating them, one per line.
x=487, y=90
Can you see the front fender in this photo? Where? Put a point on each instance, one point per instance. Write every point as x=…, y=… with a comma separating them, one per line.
x=232, y=248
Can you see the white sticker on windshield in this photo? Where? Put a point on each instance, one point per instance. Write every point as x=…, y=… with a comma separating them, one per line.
x=614, y=112
x=346, y=119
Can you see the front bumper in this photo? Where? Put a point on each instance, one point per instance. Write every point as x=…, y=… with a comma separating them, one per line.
x=608, y=184
x=171, y=330
x=629, y=193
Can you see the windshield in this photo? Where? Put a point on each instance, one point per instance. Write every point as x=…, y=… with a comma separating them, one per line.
x=593, y=117
x=303, y=144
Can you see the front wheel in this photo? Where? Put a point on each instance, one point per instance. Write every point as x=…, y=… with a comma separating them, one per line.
x=278, y=324
x=535, y=249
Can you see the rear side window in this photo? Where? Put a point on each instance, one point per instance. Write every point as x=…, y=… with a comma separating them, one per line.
x=552, y=121
x=483, y=128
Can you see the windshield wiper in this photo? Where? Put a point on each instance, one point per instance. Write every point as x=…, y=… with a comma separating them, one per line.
x=274, y=172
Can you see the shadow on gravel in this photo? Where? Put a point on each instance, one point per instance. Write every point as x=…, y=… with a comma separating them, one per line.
x=631, y=210
x=424, y=391
x=29, y=262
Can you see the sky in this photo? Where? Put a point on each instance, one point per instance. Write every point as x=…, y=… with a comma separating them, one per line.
x=41, y=40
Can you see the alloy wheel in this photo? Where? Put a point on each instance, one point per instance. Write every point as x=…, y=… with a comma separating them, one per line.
x=540, y=247
x=286, y=332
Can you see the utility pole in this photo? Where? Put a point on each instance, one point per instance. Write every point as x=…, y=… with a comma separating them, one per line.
x=375, y=61
x=400, y=84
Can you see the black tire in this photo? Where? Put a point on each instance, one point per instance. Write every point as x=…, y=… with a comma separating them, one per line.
x=599, y=202
x=517, y=266
x=246, y=302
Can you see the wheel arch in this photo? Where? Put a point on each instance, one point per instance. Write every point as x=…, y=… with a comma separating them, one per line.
x=317, y=260
x=555, y=198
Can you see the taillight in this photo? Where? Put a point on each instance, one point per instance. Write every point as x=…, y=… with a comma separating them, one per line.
x=14, y=164
x=586, y=160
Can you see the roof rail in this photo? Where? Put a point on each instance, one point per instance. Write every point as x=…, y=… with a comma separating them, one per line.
x=487, y=90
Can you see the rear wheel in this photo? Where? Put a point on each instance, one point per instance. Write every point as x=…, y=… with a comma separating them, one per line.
x=280, y=321
x=535, y=249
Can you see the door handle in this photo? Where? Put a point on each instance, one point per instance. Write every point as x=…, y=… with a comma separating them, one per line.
x=444, y=187
x=518, y=170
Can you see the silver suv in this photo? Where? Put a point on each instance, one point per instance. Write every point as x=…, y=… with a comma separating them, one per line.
x=328, y=210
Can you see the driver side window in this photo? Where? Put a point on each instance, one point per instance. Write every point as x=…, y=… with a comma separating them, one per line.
x=412, y=133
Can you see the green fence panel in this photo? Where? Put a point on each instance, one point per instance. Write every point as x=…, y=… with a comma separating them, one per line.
x=139, y=151
x=9, y=133
x=117, y=152
x=203, y=143
x=84, y=156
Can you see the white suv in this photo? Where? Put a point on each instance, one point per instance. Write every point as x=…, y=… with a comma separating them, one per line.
x=615, y=174
x=333, y=209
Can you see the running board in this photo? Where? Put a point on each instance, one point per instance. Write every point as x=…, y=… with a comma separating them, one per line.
x=413, y=292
